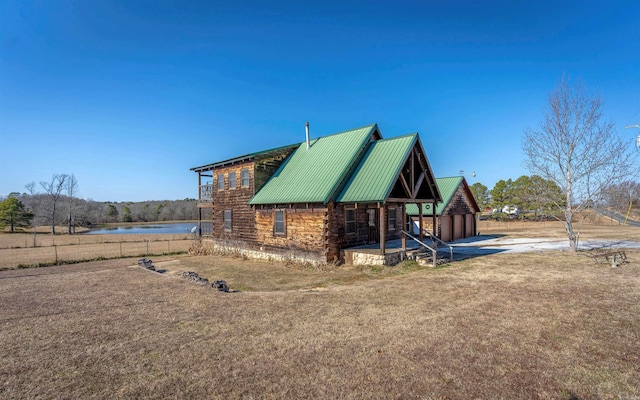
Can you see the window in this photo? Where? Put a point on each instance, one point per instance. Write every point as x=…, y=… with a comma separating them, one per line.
x=232, y=180
x=279, y=226
x=372, y=217
x=350, y=221
x=244, y=178
x=227, y=220
x=392, y=219
x=220, y=181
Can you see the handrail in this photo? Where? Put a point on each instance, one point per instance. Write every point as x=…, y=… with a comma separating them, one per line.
x=433, y=251
x=437, y=239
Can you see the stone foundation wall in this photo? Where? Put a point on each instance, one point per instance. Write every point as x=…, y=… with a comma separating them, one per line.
x=377, y=259
x=265, y=253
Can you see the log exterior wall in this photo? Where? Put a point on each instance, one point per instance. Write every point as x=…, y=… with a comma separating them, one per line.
x=235, y=200
x=304, y=231
x=313, y=232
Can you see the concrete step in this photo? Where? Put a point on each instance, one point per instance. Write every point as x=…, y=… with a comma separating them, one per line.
x=423, y=257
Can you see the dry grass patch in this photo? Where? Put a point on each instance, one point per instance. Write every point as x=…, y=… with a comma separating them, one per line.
x=555, y=229
x=547, y=325
x=263, y=276
x=16, y=250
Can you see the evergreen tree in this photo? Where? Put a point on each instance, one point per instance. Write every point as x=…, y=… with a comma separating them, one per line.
x=112, y=212
x=481, y=194
x=13, y=213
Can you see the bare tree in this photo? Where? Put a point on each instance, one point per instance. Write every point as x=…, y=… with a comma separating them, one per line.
x=72, y=192
x=54, y=190
x=35, y=208
x=579, y=151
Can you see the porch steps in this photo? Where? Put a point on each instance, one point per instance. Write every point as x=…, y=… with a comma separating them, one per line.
x=425, y=258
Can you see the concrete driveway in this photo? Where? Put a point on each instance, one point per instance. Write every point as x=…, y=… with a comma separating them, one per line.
x=490, y=244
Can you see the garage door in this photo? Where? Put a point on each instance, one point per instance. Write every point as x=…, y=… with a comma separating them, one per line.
x=445, y=228
x=470, y=225
x=458, y=227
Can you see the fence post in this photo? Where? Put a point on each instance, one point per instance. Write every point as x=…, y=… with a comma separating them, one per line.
x=168, y=246
x=55, y=249
x=120, y=249
x=147, y=248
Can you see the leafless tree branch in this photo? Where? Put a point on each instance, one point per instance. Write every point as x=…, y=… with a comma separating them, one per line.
x=575, y=148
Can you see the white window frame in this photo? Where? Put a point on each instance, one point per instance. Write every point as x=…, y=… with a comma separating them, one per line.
x=220, y=178
x=227, y=219
x=392, y=215
x=244, y=180
x=283, y=213
x=232, y=179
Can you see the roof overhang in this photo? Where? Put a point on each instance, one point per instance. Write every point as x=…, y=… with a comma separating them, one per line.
x=247, y=157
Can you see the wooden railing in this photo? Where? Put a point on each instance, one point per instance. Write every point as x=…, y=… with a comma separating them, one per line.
x=206, y=193
x=205, y=228
x=437, y=240
x=434, y=252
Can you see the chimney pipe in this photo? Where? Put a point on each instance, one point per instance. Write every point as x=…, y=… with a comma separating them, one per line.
x=306, y=125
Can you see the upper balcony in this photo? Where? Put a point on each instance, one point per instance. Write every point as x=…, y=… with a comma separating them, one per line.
x=206, y=193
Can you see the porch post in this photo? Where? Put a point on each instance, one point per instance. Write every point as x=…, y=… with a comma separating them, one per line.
x=420, y=221
x=404, y=226
x=383, y=220
x=435, y=218
x=199, y=209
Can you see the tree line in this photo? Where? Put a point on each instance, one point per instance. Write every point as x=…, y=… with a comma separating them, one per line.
x=56, y=203
x=536, y=197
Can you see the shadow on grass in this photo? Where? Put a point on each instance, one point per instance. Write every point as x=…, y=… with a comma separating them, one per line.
x=464, y=253
x=467, y=251
x=478, y=238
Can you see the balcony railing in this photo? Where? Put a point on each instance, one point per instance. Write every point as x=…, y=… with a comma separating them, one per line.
x=206, y=193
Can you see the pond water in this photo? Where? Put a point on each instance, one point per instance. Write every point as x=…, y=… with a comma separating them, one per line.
x=182, y=227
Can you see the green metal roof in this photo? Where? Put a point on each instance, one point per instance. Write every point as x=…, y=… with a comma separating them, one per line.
x=448, y=187
x=314, y=175
x=378, y=171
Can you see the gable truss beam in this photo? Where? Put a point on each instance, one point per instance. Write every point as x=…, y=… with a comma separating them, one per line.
x=405, y=185
x=420, y=161
x=417, y=186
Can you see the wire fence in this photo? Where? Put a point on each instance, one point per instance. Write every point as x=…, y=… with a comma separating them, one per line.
x=66, y=253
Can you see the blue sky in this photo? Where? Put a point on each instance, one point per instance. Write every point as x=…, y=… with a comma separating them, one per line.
x=128, y=95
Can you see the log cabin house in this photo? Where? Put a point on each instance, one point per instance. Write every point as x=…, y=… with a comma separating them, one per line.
x=311, y=200
x=455, y=215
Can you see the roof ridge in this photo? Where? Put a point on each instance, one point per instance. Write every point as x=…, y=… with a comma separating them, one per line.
x=399, y=137
x=354, y=162
x=347, y=131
